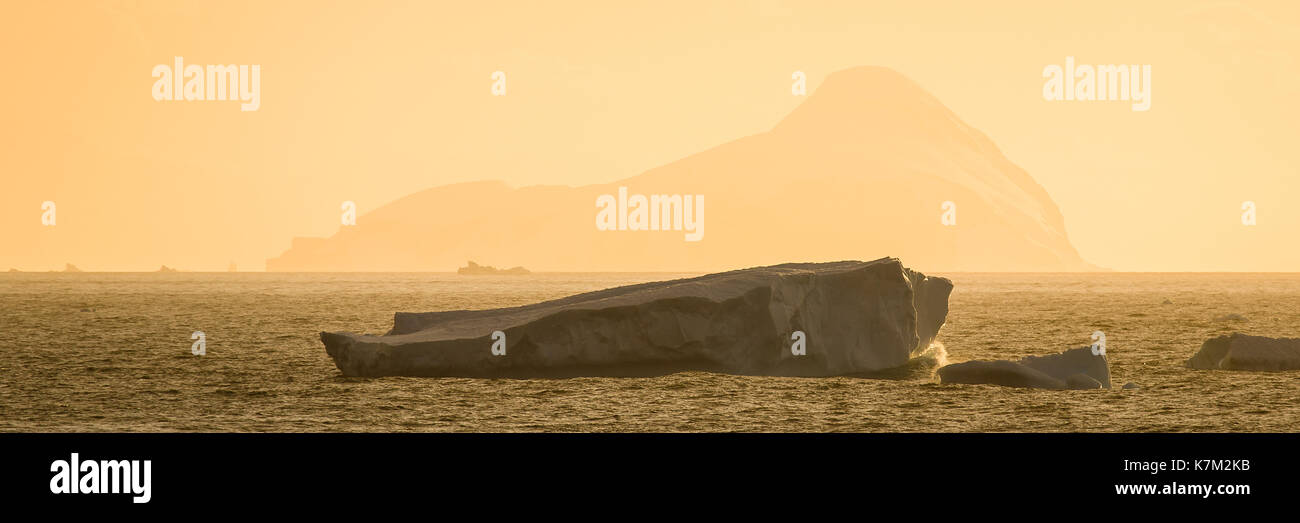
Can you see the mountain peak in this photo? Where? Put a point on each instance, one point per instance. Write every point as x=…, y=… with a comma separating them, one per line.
x=874, y=100
x=867, y=76
x=865, y=167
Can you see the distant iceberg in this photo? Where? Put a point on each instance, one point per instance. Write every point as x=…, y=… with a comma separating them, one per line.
x=474, y=269
x=798, y=319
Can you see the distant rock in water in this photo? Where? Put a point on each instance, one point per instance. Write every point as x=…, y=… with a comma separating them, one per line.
x=165, y=268
x=1245, y=352
x=1167, y=302
x=474, y=269
x=1075, y=369
x=11, y=269
x=844, y=317
x=70, y=268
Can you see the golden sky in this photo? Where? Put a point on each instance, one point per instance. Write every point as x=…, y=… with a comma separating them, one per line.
x=372, y=101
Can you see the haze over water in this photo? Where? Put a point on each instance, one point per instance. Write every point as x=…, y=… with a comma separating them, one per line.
x=125, y=363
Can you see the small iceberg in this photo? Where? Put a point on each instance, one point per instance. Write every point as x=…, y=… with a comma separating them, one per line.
x=1238, y=351
x=1074, y=369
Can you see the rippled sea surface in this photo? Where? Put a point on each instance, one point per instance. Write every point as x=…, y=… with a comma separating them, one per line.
x=111, y=352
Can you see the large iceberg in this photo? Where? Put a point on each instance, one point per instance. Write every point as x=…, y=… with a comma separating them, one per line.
x=796, y=319
x=1073, y=369
x=1245, y=352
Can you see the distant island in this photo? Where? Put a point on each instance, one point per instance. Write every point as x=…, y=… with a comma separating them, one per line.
x=165, y=268
x=70, y=268
x=474, y=269
x=887, y=152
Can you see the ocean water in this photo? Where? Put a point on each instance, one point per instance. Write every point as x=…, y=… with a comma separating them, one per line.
x=111, y=352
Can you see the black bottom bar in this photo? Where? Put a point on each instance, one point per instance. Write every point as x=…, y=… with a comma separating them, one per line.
x=447, y=474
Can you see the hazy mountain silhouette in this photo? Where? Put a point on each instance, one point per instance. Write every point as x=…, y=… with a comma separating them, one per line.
x=858, y=171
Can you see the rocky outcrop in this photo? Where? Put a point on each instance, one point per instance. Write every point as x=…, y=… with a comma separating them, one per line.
x=845, y=317
x=1075, y=369
x=1245, y=352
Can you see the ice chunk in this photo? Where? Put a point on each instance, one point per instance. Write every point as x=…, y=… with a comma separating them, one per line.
x=1073, y=369
x=1245, y=352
